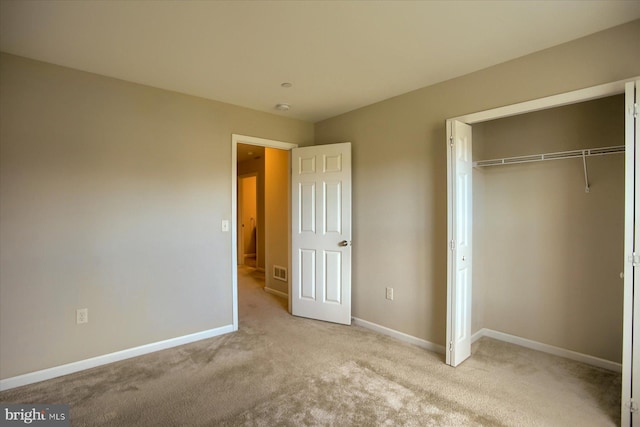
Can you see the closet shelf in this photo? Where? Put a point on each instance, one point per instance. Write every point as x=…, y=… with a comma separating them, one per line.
x=588, y=152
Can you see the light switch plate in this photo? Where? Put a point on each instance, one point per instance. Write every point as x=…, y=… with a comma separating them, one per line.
x=225, y=225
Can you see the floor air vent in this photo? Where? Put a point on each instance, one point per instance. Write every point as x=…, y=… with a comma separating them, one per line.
x=279, y=273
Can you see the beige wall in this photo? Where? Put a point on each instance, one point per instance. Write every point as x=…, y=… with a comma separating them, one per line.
x=550, y=255
x=277, y=208
x=399, y=170
x=257, y=166
x=111, y=199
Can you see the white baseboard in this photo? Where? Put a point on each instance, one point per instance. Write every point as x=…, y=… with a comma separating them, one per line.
x=546, y=348
x=479, y=334
x=276, y=292
x=401, y=336
x=58, y=371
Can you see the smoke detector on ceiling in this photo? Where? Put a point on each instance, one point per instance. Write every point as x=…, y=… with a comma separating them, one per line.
x=283, y=107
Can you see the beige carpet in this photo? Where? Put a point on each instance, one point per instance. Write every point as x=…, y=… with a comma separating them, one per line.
x=288, y=371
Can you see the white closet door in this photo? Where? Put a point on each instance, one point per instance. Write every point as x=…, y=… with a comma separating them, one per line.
x=460, y=203
x=631, y=317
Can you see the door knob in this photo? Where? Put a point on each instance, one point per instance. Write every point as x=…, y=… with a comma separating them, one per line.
x=343, y=243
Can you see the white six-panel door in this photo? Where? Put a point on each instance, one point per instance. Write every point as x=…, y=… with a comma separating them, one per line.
x=321, y=232
x=460, y=200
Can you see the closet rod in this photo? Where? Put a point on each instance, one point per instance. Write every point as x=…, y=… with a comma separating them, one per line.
x=588, y=152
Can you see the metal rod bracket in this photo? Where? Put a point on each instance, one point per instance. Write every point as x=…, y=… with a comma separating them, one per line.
x=586, y=174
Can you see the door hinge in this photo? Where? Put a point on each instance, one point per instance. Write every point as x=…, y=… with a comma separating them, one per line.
x=634, y=259
x=450, y=345
x=631, y=405
x=451, y=140
x=635, y=111
x=452, y=244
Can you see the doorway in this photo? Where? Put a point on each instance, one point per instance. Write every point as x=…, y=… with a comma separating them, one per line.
x=548, y=232
x=459, y=314
x=267, y=162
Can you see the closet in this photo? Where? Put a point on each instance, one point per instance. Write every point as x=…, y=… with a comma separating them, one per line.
x=548, y=227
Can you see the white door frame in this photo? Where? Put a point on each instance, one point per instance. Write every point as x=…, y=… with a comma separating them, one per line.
x=262, y=142
x=582, y=95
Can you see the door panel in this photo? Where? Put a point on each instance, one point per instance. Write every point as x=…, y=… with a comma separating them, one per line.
x=333, y=194
x=321, y=264
x=307, y=280
x=630, y=414
x=459, y=186
x=307, y=208
x=333, y=277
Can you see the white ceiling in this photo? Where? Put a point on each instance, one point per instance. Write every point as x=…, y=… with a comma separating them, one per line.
x=339, y=55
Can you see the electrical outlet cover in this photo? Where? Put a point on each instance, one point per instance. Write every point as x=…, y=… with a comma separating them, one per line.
x=82, y=316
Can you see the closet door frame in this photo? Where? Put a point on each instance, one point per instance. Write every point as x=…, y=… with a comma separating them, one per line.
x=631, y=312
x=632, y=239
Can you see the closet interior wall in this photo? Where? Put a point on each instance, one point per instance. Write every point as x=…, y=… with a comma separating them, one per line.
x=547, y=255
